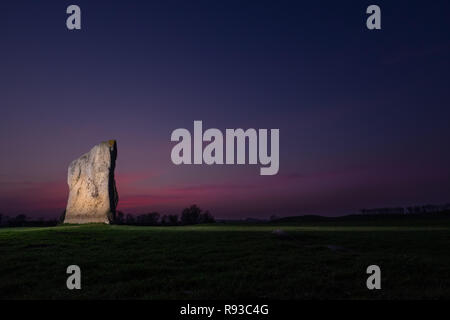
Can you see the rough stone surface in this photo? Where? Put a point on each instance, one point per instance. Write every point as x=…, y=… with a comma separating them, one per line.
x=92, y=189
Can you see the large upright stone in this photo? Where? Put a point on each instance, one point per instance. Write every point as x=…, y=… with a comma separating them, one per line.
x=92, y=189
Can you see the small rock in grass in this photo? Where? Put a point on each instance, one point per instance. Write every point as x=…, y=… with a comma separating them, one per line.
x=279, y=233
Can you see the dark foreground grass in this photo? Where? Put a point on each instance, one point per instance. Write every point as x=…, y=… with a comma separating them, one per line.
x=226, y=262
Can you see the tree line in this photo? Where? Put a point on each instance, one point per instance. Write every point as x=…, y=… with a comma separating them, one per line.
x=419, y=209
x=189, y=216
x=21, y=220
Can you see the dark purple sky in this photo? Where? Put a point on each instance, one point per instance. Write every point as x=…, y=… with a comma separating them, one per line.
x=363, y=115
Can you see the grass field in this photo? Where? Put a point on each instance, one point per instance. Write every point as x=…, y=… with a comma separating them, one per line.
x=227, y=261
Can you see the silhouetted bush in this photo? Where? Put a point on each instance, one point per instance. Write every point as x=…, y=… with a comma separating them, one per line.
x=191, y=215
x=206, y=217
x=195, y=215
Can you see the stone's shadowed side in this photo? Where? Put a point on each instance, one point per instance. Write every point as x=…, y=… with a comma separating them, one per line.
x=92, y=189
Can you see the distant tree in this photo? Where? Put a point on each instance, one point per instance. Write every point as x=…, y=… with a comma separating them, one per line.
x=153, y=218
x=173, y=219
x=206, y=217
x=129, y=220
x=169, y=220
x=164, y=220
x=119, y=218
x=1, y=219
x=18, y=221
x=191, y=215
x=148, y=219
x=22, y=219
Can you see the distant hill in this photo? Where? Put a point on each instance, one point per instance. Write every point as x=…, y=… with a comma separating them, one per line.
x=362, y=218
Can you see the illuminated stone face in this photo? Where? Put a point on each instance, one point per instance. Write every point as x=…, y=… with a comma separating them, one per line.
x=92, y=189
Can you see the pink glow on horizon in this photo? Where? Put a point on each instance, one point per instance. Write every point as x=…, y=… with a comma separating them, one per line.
x=248, y=195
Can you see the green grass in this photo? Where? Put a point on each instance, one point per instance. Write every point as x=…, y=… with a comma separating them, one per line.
x=218, y=261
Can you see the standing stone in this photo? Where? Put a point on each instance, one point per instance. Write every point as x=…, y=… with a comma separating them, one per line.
x=93, y=196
